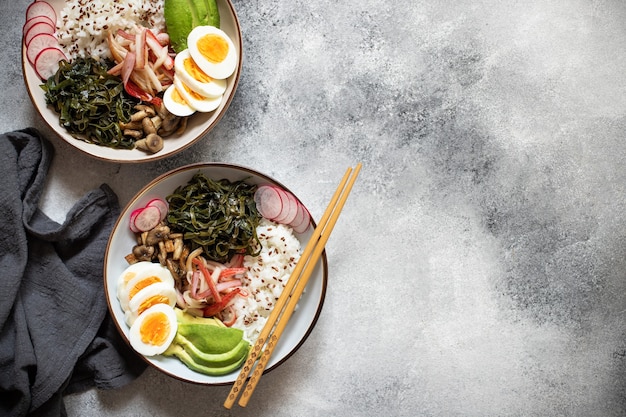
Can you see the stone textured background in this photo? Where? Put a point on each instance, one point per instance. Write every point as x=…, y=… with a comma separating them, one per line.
x=478, y=267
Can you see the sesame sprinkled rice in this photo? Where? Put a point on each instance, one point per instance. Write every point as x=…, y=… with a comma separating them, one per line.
x=82, y=25
x=266, y=277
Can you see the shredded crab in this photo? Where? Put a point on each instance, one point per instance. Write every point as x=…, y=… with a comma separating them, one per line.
x=143, y=61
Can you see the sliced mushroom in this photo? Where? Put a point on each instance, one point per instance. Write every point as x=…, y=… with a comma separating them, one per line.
x=139, y=116
x=162, y=253
x=176, y=272
x=136, y=125
x=156, y=122
x=162, y=110
x=169, y=125
x=183, y=257
x=144, y=236
x=152, y=143
x=131, y=258
x=147, y=126
x=178, y=248
x=158, y=234
x=182, y=126
x=169, y=245
x=146, y=108
x=133, y=133
x=143, y=252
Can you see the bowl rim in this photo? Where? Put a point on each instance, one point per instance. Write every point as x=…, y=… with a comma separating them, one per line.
x=323, y=262
x=159, y=155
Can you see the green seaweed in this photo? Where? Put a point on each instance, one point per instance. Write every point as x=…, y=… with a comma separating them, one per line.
x=219, y=216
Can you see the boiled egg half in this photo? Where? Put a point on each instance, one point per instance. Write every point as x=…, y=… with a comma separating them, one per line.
x=138, y=276
x=158, y=293
x=154, y=330
x=195, y=100
x=213, y=51
x=175, y=103
x=197, y=80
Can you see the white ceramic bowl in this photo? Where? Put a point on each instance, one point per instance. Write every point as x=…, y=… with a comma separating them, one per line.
x=122, y=240
x=198, y=126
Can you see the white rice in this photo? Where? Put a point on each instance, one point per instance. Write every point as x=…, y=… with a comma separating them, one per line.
x=82, y=25
x=266, y=277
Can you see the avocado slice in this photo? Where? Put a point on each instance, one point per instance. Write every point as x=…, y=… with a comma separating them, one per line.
x=181, y=16
x=185, y=318
x=213, y=360
x=206, y=345
x=210, y=339
x=178, y=351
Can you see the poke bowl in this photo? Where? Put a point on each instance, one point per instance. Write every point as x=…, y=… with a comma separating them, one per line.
x=186, y=205
x=52, y=39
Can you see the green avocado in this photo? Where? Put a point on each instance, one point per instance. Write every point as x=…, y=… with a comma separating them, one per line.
x=210, y=339
x=178, y=351
x=206, y=345
x=213, y=360
x=185, y=318
x=181, y=16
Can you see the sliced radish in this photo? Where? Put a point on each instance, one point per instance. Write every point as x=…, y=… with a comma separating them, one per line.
x=47, y=62
x=268, y=201
x=290, y=209
x=161, y=205
x=36, y=29
x=41, y=8
x=37, y=19
x=301, y=215
x=305, y=224
x=131, y=220
x=38, y=44
x=147, y=219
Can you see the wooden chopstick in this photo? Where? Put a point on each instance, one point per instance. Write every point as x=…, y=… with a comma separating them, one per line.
x=289, y=296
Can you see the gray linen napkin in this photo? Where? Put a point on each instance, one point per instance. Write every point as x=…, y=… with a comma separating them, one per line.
x=56, y=336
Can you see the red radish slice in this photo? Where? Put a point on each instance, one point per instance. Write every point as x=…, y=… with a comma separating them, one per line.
x=47, y=62
x=161, y=205
x=306, y=223
x=38, y=44
x=301, y=215
x=41, y=8
x=36, y=29
x=268, y=201
x=131, y=220
x=37, y=19
x=147, y=219
x=290, y=209
x=285, y=205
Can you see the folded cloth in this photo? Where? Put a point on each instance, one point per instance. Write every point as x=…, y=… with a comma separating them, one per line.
x=56, y=336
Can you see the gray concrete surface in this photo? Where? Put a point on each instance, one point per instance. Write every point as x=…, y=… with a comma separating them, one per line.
x=478, y=268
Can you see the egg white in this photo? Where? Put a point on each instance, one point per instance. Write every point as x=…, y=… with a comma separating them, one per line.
x=173, y=106
x=144, y=271
x=200, y=103
x=136, y=304
x=134, y=335
x=219, y=70
x=213, y=88
x=129, y=273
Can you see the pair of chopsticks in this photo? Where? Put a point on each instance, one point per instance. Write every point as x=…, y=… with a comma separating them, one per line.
x=280, y=315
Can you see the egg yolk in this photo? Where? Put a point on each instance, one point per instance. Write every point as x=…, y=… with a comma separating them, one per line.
x=213, y=47
x=150, y=301
x=177, y=97
x=195, y=71
x=193, y=94
x=141, y=285
x=155, y=328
